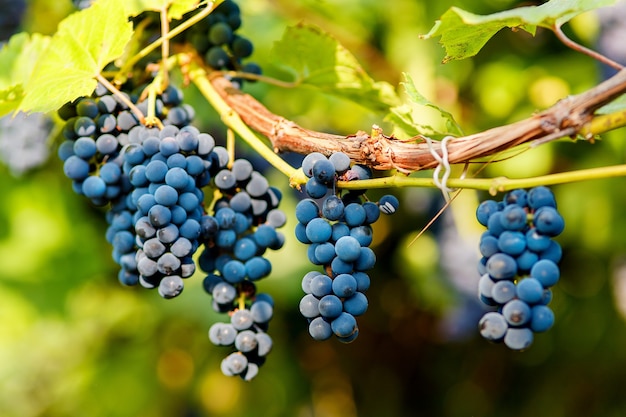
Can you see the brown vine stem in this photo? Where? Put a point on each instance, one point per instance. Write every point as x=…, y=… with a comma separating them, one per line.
x=568, y=117
x=579, y=48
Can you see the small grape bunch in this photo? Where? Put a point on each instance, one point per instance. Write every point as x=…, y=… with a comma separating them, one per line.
x=338, y=232
x=519, y=265
x=216, y=39
x=242, y=227
x=246, y=332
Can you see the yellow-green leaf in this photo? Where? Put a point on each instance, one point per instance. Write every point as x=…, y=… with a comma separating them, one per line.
x=463, y=34
x=176, y=8
x=18, y=58
x=316, y=58
x=84, y=44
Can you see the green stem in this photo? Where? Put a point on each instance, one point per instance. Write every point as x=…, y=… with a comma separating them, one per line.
x=199, y=77
x=493, y=185
x=603, y=123
x=121, y=97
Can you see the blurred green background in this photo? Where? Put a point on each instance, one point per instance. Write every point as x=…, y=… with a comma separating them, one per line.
x=74, y=342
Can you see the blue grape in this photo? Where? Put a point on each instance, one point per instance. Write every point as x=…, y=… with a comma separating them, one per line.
x=315, y=188
x=340, y=161
x=501, y=266
x=548, y=221
x=171, y=286
x=503, y=291
x=518, y=338
x=306, y=210
x=308, y=162
x=488, y=245
x=546, y=272
x=320, y=329
x=242, y=319
x=513, y=217
x=333, y=208
x=530, y=290
x=262, y=311
x=356, y=304
x=347, y=248
x=344, y=285
x=493, y=326
x=516, y=312
x=318, y=230
x=511, y=243
x=309, y=306
x=388, y=204
x=246, y=341
x=222, y=334
x=234, y=364
x=264, y=343
x=542, y=318
x=541, y=197
x=354, y=214
x=321, y=285
x=323, y=171
x=344, y=325
x=330, y=306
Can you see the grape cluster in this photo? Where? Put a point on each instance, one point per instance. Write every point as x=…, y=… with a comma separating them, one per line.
x=95, y=131
x=24, y=141
x=168, y=170
x=519, y=265
x=241, y=229
x=215, y=39
x=246, y=333
x=104, y=141
x=338, y=233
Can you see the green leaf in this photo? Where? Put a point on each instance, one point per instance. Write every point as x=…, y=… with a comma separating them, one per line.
x=402, y=116
x=463, y=34
x=18, y=58
x=177, y=8
x=84, y=44
x=317, y=59
x=452, y=127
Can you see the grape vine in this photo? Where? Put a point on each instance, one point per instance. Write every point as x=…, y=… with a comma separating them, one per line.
x=177, y=204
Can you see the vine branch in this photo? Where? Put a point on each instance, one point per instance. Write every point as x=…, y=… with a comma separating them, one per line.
x=569, y=117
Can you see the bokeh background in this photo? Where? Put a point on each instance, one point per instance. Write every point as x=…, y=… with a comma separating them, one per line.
x=74, y=342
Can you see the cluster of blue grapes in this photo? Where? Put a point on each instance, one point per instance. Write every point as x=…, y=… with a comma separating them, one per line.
x=95, y=131
x=215, y=39
x=338, y=234
x=103, y=140
x=157, y=219
x=241, y=229
x=519, y=265
x=167, y=171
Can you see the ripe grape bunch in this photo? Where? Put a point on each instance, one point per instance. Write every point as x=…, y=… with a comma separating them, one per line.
x=241, y=229
x=338, y=234
x=216, y=39
x=519, y=265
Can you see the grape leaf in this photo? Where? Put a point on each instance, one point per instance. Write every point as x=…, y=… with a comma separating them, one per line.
x=463, y=34
x=317, y=59
x=84, y=44
x=402, y=116
x=18, y=58
x=177, y=8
